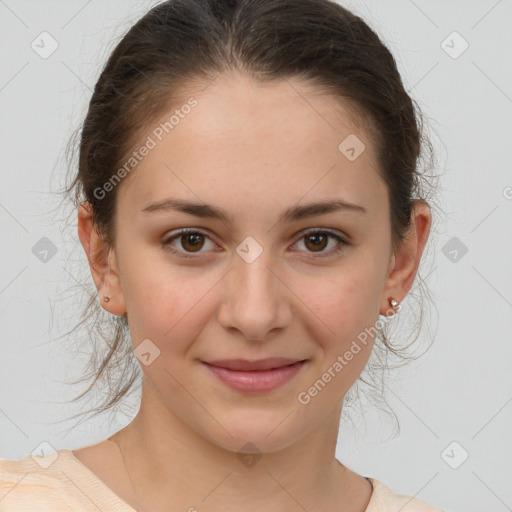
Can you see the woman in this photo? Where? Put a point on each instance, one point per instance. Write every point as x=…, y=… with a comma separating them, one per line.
x=249, y=207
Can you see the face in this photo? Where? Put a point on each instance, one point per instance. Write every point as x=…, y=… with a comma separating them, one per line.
x=253, y=283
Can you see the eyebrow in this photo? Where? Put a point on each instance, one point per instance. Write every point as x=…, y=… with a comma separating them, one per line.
x=294, y=213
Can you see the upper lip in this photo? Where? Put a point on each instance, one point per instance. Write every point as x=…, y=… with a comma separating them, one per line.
x=247, y=366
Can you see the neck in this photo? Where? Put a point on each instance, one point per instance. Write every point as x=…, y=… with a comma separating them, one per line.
x=167, y=462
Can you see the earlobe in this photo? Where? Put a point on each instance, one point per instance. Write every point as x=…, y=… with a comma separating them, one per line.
x=116, y=304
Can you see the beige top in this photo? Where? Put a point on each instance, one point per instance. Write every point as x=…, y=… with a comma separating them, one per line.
x=59, y=482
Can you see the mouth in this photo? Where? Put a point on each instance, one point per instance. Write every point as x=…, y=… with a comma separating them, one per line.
x=270, y=363
x=255, y=376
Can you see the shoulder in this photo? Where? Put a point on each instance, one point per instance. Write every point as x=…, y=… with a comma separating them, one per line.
x=383, y=499
x=35, y=483
x=55, y=481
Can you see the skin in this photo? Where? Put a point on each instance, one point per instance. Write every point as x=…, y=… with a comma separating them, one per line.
x=253, y=151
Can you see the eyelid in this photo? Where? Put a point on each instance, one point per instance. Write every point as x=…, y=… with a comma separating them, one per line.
x=174, y=235
x=329, y=231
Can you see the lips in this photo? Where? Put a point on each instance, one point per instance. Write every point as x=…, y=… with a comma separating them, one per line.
x=260, y=376
x=251, y=366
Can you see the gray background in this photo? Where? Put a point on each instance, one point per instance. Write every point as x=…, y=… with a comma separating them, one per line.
x=460, y=391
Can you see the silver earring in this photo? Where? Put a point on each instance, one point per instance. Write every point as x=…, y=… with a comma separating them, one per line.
x=106, y=298
x=394, y=303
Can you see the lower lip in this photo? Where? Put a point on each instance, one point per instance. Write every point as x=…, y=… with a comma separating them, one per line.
x=256, y=381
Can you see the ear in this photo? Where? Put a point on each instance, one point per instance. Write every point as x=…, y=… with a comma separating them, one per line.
x=102, y=262
x=405, y=261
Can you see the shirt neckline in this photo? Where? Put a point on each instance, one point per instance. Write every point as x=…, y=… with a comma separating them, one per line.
x=90, y=482
x=109, y=498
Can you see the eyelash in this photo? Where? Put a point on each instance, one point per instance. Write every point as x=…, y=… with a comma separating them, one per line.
x=343, y=242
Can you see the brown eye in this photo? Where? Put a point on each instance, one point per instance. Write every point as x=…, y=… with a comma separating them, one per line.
x=316, y=241
x=186, y=242
x=192, y=241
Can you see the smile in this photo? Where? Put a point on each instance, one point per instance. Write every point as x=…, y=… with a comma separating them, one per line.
x=256, y=380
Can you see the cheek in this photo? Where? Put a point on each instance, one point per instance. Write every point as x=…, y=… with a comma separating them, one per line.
x=344, y=304
x=162, y=302
x=347, y=306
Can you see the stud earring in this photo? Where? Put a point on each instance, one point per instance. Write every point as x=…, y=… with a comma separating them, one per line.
x=394, y=303
x=106, y=298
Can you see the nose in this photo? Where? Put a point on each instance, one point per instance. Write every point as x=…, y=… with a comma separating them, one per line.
x=255, y=302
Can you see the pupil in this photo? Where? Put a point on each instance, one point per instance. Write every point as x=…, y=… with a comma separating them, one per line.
x=192, y=240
x=318, y=240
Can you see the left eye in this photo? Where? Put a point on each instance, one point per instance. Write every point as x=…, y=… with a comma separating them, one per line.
x=315, y=241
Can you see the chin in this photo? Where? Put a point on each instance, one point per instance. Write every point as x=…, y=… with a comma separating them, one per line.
x=255, y=433
x=253, y=443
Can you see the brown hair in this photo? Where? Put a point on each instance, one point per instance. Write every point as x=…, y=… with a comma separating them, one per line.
x=182, y=41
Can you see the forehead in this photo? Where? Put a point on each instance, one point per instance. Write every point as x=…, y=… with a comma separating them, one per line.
x=270, y=143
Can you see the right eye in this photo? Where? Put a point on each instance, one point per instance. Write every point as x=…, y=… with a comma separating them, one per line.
x=190, y=240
